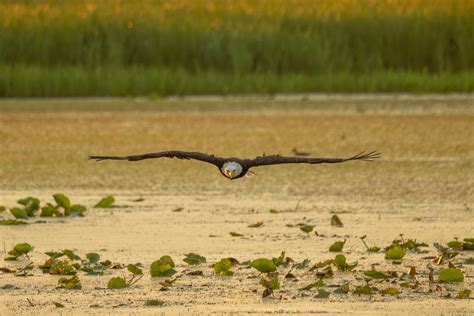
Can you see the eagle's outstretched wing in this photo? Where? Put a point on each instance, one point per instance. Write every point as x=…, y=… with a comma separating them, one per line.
x=275, y=159
x=217, y=161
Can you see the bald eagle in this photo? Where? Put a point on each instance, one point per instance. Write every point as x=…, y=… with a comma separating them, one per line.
x=235, y=168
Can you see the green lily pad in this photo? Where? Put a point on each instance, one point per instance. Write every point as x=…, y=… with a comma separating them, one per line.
x=72, y=283
x=450, y=275
x=93, y=257
x=71, y=255
x=374, y=274
x=336, y=221
x=30, y=204
x=162, y=267
x=2, y=209
x=19, y=250
x=455, y=244
x=134, y=269
x=395, y=253
x=235, y=234
x=105, y=202
x=223, y=267
x=307, y=228
x=270, y=282
x=76, y=209
x=468, y=244
x=263, y=265
x=194, y=259
x=364, y=290
x=280, y=260
x=58, y=305
x=23, y=248
x=391, y=291
x=340, y=262
x=337, y=246
x=62, y=267
x=117, y=283
x=62, y=200
x=50, y=210
x=255, y=225
x=19, y=213
x=464, y=293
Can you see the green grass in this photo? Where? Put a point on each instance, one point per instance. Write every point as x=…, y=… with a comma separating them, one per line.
x=34, y=81
x=88, y=48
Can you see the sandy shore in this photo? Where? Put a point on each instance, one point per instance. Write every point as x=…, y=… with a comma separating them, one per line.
x=422, y=188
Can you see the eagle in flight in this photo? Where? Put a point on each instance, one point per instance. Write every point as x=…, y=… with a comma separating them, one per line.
x=235, y=168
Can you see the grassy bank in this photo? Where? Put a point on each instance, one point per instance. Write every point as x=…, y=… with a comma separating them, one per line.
x=79, y=47
x=33, y=81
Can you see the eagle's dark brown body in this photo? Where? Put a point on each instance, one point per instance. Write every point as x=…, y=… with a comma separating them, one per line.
x=226, y=165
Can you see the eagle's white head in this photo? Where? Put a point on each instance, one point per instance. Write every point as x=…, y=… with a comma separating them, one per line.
x=231, y=169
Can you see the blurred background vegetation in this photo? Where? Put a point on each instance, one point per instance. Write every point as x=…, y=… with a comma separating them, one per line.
x=154, y=48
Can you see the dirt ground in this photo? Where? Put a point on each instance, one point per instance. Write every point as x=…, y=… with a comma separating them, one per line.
x=421, y=188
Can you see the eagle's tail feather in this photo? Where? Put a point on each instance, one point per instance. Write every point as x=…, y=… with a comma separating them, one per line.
x=366, y=156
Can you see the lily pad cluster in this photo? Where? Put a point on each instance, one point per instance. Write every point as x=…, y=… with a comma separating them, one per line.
x=268, y=267
x=61, y=207
x=334, y=276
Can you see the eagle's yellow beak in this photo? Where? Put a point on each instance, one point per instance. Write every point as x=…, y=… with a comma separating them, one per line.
x=230, y=173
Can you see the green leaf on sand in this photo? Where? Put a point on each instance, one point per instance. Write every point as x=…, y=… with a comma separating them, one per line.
x=342, y=265
x=395, y=253
x=62, y=200
x=374, y=274
x=464, y=293
x=93, y=257
x=307, y=228
x=337, y=246
x=72, y=283
x=19, y=250
x=336, y=221
x=270, y=282
x=450, y=275
x=391, y=291
x=263, y=265
x=19, y=213
x=194, y=259
x=117, y=283
x=162, y=267
x=105, y=202
x=134, y=269
x=223, y=267
x=75, y=210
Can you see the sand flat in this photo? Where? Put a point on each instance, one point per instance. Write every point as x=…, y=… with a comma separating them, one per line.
x=422, y=188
